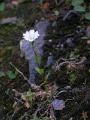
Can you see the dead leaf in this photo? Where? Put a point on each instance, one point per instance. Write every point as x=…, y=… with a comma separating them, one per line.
x=23, y=97
x=14, y=105
x=27, y=104
x=16, y=2
x=52, y=17
x=45, y=6
x=84, y=115
x=71, y=66
x=41, y=94
x=88, y=42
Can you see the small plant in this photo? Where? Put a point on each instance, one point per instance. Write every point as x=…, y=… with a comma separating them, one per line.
x=2, y=6
x=30, y=95
x=31, y=36
x=74, y=54
x=72, y=76
x=10, y=74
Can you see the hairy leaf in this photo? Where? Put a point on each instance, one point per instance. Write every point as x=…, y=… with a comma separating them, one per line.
x=39, y=70
x=77, y=2
x=79, y=8
x=2, y=6
x=11, y=75
x=87, y=16
x=2, y=74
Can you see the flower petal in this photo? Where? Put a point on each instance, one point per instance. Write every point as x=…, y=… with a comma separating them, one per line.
x=31, y=32
x=30, y=35
x=26, y=35
x=36, y=35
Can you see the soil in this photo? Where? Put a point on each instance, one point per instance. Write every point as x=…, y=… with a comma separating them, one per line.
x=66, y=78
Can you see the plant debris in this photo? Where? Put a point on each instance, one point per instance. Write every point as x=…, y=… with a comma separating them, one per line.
x=61, y=88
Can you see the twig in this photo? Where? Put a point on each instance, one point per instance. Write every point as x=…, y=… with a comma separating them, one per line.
x=38, y=109
x=25, y=78
x=52, y=116
x=22, y=117
x=33, y=86
x=66, y=61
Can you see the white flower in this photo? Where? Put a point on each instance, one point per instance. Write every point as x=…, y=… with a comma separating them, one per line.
x=30, y=35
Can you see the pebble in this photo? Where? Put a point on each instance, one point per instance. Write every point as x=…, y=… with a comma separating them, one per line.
x=58, y=104
x=88, y=31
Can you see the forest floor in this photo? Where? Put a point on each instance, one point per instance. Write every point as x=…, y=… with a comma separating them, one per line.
x=64, y=90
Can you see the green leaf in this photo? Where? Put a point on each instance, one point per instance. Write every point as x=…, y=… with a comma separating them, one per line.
x=87, y=16
x=68, y=1
x=2, y=74
x=37, y=59
x=79, y=8
x=72, y=77
x=84, y=38
x=29, y=95
x=11, y=75
x=39, y=70
x=2, y=6
x=77, y=2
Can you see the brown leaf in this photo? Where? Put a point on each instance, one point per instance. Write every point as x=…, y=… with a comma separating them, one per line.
x=52, y=17
x=45, y=6
x=23, y=97
x=27, y=104
x=14, y=105
x=41, y=94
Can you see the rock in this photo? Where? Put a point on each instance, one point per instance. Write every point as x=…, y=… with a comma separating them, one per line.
x=58, y=104
x=88, y=31
x=50, y=61
x=69, y=42
x=27, y=50
x=8, y=20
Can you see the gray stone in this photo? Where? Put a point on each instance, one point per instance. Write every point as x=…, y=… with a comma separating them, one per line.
x=88, y=31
